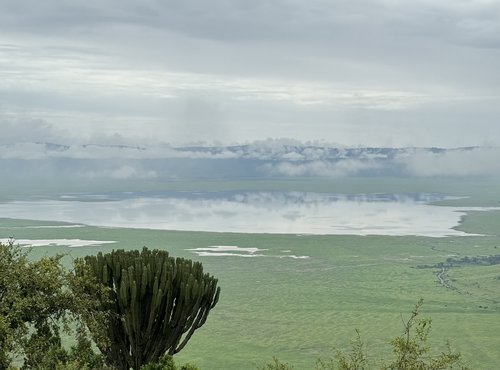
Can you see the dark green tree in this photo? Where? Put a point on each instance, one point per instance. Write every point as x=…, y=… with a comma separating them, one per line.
x=36, y=304
x=156, y=303
x=33, y=302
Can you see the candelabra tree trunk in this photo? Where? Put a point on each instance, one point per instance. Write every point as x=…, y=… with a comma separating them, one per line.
x=156, y=303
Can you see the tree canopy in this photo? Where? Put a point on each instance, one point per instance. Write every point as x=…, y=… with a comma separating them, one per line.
x=34, y=302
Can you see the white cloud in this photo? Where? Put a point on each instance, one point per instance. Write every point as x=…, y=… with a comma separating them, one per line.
x=322, y=168
x=473, y=162
x=280, y=157
x=121, y=173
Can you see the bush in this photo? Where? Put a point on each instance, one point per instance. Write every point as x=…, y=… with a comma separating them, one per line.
x=355, y=359
x=411, y=350
x=167, y=363
x=276, y=364
x=33, y=307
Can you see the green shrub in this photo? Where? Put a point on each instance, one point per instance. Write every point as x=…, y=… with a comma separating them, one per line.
x=167, y=363
x=276, y=364
x=411, y=352
x=355, y=359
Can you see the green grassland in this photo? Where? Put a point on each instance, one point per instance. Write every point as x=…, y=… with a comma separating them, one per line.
x=302, y=309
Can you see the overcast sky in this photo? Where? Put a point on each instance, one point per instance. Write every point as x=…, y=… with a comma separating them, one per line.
x=358, y=72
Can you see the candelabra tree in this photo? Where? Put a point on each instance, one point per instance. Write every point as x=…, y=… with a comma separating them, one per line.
x=155, y=304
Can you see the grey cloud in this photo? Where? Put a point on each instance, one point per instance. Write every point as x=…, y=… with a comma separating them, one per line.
x=200, y=117
x=340, y=24
x=262, y=20
x=362, y=72
x=18, y=129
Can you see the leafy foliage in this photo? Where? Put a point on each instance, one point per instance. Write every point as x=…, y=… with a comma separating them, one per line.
x=355, y=359
x=40, y=298
x=33, y=306
x=412, y=350
x=167, y=363
x=276, y=364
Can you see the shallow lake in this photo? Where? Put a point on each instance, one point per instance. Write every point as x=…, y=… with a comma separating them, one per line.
x=251, y=212
x=294, y=295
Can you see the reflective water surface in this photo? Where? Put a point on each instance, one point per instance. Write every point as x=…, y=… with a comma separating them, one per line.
x=251, y=212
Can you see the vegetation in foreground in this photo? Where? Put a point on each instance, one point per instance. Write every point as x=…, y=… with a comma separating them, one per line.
x=105, y=296
x=135, y=306
x=155, y=304
x=411, y=352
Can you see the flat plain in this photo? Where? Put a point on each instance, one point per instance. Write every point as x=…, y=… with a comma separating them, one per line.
x=301, y=297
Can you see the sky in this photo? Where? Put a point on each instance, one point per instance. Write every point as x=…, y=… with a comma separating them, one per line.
x=351, y=73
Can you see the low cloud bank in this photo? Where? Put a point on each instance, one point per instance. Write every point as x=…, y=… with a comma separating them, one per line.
x=342, y=168
x=480, y=161
x=462, y=162
x=268, y=158
x=121, y=173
